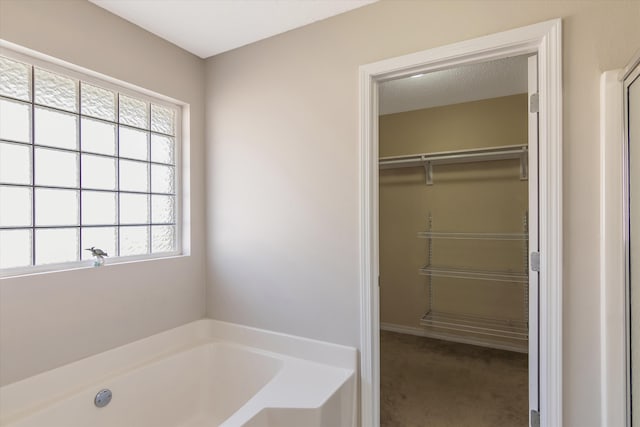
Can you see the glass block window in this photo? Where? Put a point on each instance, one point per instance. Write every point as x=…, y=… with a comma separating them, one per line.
x=82, y=165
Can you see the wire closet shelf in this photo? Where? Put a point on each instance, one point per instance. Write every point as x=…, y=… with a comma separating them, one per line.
x=485, y=327
x=427, y=160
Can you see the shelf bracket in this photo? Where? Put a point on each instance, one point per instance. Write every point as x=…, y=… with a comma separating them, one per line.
x=524, y=166
x=428, y=171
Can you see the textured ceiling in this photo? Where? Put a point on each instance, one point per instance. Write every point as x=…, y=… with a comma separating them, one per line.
x=208, y=27
x=461, y=84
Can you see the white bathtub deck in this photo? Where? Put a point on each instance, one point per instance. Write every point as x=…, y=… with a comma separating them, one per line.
x=299, y=385
x=204, y=374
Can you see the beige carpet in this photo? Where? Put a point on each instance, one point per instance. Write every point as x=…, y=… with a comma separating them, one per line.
x=431, y=383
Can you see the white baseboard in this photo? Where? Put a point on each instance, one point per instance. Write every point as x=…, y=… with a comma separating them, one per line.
x=421, y=332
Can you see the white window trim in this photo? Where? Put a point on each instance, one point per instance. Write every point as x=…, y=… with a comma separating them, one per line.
x=182, y=211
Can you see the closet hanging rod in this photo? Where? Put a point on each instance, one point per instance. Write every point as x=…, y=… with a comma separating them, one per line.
x=458, y=156
x=427, y=160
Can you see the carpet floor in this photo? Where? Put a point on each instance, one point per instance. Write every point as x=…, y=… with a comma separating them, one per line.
x=426, y=382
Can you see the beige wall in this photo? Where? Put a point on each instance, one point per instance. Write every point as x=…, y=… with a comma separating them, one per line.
x=471, y=197
x=47, y=320
x=282, y=165
x=282, y=177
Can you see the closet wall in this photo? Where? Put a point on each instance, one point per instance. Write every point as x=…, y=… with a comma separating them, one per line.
x=471, y=197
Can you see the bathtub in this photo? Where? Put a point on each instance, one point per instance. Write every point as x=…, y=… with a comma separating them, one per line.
x=206, y=373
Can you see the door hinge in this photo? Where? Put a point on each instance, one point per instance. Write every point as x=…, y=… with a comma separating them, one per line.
x=534, y=103
x=535, y=418
x=535, y=261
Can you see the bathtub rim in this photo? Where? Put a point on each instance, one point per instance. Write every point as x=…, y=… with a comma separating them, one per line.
x=22, y=397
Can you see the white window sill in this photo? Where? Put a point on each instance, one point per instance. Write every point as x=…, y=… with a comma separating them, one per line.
x=84, y=265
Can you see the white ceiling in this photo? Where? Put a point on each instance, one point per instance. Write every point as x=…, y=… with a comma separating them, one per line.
x=209, y=27
x=462, y=84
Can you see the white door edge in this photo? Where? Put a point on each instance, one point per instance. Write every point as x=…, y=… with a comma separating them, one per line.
x=534, y=380
x=545, y=40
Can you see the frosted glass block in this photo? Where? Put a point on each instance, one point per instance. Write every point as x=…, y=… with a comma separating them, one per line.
x=98, y=137
x=162, y=149
x=54, y=90
x=134, y=208
x=57, y=245
x=99, y=208
x=55, y=129
x=56, y=207
x=98, y=172
x=163, y=238
x=134, y=112
x=15, y=78
x=162, y=209
x=133, y=143
x=15, y=121
x=15, y=248
x=162, y=179
x=134, y=176
x=97, y=102
x=15, y=206
x=104, y=238
x=134, y=240
x=15, y=163
x=56, y=168
x=162, y=119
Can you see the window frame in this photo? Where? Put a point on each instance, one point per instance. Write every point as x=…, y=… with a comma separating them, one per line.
x=120, y=87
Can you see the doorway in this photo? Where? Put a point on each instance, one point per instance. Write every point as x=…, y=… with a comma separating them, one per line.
x=542, y=40
x=455, y=222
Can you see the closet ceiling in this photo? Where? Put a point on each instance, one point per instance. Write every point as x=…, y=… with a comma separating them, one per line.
x=208, y=27
x=486, y=80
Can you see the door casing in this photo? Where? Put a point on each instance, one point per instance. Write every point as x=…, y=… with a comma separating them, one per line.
x=543, y=39
x=614, y=286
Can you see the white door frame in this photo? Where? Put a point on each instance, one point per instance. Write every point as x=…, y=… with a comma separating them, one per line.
x=614, y=304
x=545, y=39
x=613, y=339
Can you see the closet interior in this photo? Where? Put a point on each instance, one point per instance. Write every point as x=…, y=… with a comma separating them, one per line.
x=454, y=229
